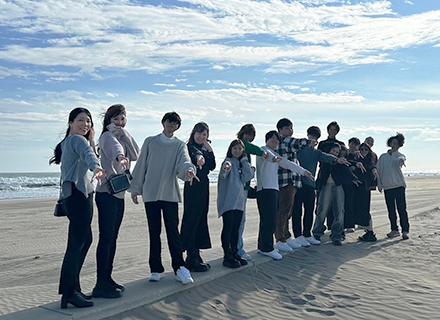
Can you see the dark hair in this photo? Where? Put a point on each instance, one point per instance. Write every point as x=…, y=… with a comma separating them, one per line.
x=233, y=144
x=272, y=133
x=72, y=116
x=284, y=122
x=199, y=127
x=399, y=137
x=333, y=124
x=172, y=117
x=314, y=131
x=113, y=111
x=354, y=140
x=343, y=149
x=248, y=129
x=334, y=145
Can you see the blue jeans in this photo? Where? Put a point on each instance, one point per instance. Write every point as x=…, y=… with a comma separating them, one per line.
x=331, y=197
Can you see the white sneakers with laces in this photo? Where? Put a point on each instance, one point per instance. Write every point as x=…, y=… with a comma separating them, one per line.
x=283, y=246
x=183, y=275
x=313, y=240
x=154, y=277
x=274, y=254
x=303, y=241
x=294, y=243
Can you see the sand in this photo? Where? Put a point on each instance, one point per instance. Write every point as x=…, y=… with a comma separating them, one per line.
x=389, y=279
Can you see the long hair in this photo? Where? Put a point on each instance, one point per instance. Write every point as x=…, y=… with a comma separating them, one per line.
x=199, y=127
x=233, y=144
x=113, y=111
x=72, y=115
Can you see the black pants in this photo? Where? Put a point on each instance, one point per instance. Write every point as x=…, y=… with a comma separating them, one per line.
x=231, y=224
x=110, y=214
x=361, y=205
x=350, y=212
x=397, y=197
x=154, y=211
x=79, y=212
x=302, y=224
x=194, y=230
x=267, y=201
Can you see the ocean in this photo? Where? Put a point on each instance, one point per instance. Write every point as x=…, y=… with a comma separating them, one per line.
x=44, y=185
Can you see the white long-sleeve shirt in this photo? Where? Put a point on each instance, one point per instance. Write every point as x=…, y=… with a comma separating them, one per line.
x=389, y=167
x=267, y=170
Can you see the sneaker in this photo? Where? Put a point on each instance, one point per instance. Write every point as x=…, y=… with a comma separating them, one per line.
x=231, y=263
x=393, y=234
x=303, y=241
x=283, y=246
x=368, y=236
x=349, y=230
x=246, y=256
x=313, y=240
x=243, y=262
x=154, y=277
x=405, y=235
x=274, y=254
x=294, y=243
x=183, y=275
x=337, y=242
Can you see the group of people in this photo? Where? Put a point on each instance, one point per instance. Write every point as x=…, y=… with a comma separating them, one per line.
x=285, y=190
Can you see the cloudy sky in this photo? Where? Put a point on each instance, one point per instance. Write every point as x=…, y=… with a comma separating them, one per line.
x=373, y=66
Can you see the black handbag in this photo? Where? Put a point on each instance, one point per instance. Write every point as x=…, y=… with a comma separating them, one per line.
x=119, y=182
x=59, y=210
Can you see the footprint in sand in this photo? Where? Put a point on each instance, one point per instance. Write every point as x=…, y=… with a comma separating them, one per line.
x=349, y=297
x=298, y=301
x=310, y=297
x=321, y=312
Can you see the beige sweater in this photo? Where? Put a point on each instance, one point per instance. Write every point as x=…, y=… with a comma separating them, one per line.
x=162, y=160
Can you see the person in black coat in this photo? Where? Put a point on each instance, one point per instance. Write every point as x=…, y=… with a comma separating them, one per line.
x=194, y=230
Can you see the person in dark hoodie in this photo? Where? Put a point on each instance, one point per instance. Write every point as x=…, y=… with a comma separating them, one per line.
x=331, y=179
x=194, y=230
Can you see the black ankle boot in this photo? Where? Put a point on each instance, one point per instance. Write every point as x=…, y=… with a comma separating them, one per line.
x=242, y=261
x=76, y=300
x=116, y=285
x=106, y=291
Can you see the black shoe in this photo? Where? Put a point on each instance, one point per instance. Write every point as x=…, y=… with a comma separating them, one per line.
x=198, y=267
x=107, y=292
x=243, y=262
x=231, y=263
x=76, y=300
x=85, y=296
x=368, y=236
x=337, y=242
x=116, y=285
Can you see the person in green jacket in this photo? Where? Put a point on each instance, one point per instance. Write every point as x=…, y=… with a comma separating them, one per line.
x=247, y=135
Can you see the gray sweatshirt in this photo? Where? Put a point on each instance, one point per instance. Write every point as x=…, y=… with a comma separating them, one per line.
x=389, y=167
x=111, y=145
x=77, y=157
x=231, y=194
x=162, y=160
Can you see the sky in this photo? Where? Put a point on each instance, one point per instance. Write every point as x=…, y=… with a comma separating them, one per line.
x=373, y=66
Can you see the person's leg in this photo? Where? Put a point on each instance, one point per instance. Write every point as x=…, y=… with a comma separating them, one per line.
x=267, y=201
x=308, y=195
x=190, y=222
x=324, y=204
x=227, y=218
x=240, y=249
x=79, y=213
x=236, y=220
x=171, y=219
x=390, y=200
x=298, y=212
x=120, y=208
x=338, y=213
x=154, y=219
x=285, y=200
x=401, y=208
x=349, y=211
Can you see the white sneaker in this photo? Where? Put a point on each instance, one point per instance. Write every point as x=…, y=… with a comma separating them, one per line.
x=246, y=256
x=183, y=275
x=303, y=241
x=283, y=246
x=274, y=254
x=154, y=277
x=294, y=243
x=313, y=240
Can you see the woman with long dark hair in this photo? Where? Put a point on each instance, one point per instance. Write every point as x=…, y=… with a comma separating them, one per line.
x=76, y=155
x=194, y=230
x=117, y=149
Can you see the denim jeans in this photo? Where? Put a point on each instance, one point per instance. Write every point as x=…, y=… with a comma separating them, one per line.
x=331, y=197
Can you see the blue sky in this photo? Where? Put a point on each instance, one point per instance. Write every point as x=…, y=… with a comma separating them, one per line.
x=371, y=65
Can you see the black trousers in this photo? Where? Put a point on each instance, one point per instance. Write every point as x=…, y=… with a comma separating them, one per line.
x=154, y=211
x=350, y=211
x=302, y=224
x=267, y=201
x=231, y=224
x=194, y=230
x=361, y=205
x=397, y=197
x=110, y=214
x=79, y=212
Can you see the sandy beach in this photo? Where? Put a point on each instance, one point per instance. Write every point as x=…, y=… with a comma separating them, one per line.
x=389, y=279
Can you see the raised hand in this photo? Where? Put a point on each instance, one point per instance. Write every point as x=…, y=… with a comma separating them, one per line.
x=200, y=161
x=265, y=155
x=309, y=175
x=123, y=161
x=227, y=166
x=134, y=198
x=343, y=161
x=191, y=175
x=207, y=146
x=375, y=174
